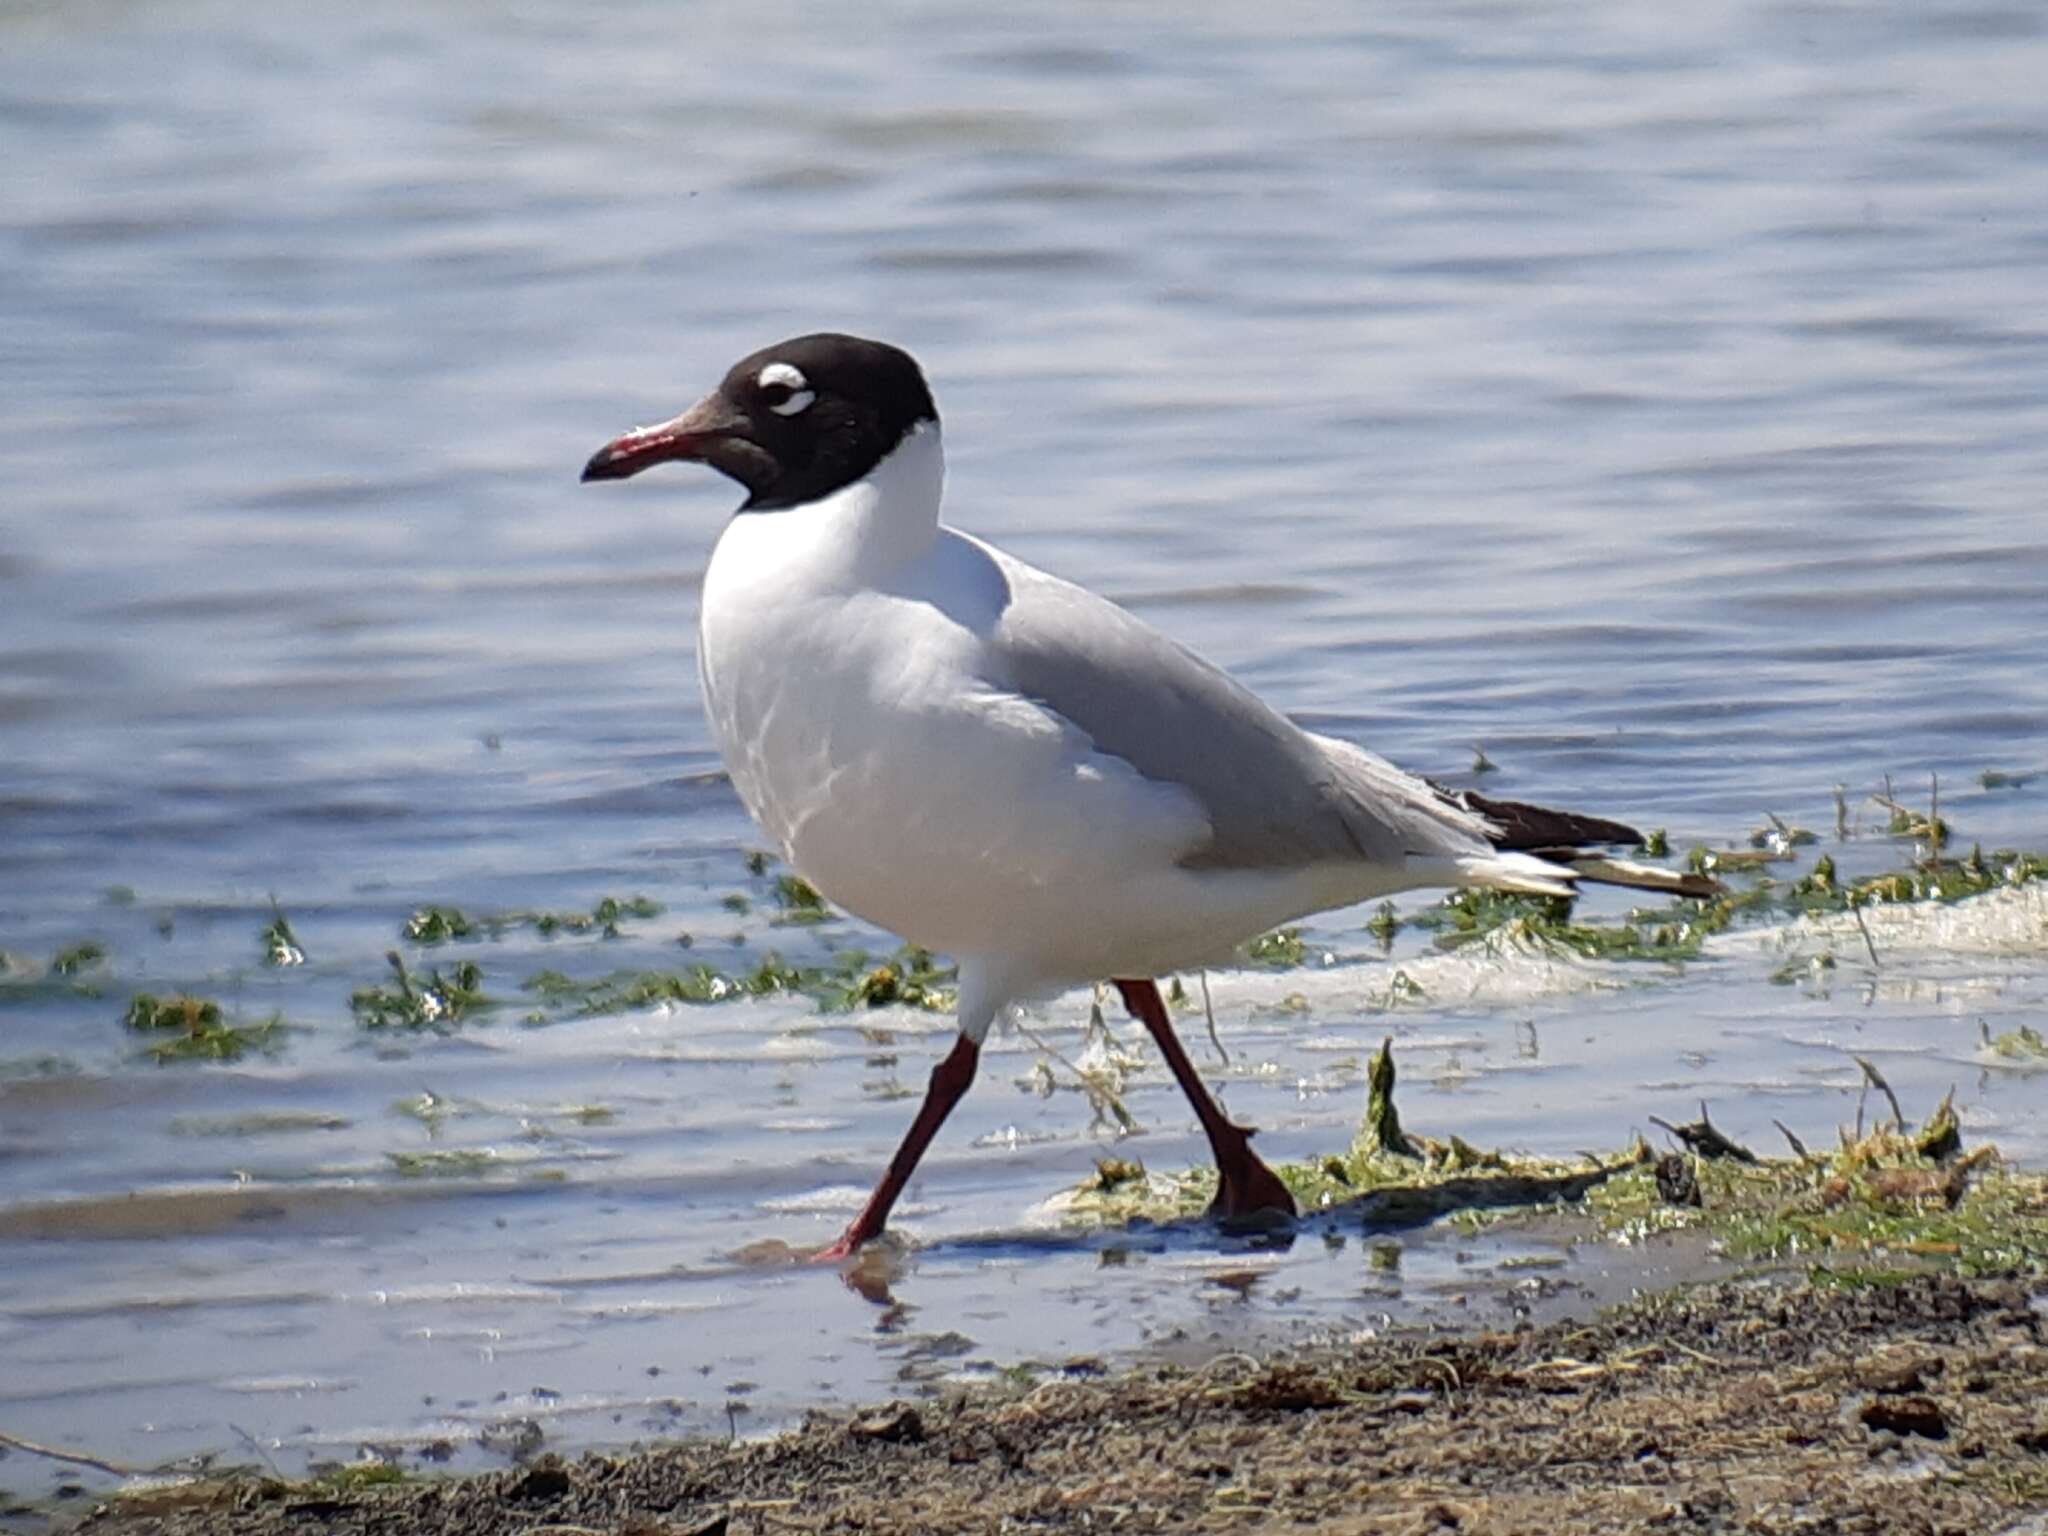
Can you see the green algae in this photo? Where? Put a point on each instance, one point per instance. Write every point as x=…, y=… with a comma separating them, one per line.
x=798, y=901
x=1894, y=1199
x=1702, y=860
x=438, y=925
x=622, y=990
x=911, y=977
x=427, y=1107
x=438, y=1002
x=77, y=970
x=448, y=925
x=1675, y=933
x=2023, y=1046
x=1780, y=836
x=1876, y=1202
x=281, y=946
x=1380, y=1134
x=1384, y=924
x=1823, y=890
x=261, y=1122
x=445, y=1162
x=78, y=959
x=1281, y=950
x=1387, y=1177
x=16, y=1068
x=1546, y=923
x=186, y=1028
x=1917, y=826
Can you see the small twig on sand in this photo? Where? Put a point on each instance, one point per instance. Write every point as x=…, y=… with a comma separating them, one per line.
x=76, y=1458
x=1876, y=1080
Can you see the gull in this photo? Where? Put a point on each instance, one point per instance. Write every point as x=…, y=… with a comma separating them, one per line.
x=1005, y=767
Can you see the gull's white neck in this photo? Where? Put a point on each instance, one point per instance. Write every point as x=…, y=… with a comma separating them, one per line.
x=854, y=536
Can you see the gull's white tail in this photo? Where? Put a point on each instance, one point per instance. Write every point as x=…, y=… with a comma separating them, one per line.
x=1508, y=872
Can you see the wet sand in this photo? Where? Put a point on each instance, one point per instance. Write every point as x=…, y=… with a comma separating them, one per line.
x=1770, y=1404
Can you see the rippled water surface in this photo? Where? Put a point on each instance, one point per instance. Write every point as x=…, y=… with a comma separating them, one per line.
x=1656, y=398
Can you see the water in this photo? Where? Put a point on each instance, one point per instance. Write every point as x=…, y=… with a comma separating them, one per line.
x=1657, y=400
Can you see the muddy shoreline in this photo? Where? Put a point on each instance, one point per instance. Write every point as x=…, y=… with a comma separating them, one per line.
x=1777, y=1403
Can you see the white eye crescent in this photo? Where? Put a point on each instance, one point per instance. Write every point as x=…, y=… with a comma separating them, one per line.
x=784, y=388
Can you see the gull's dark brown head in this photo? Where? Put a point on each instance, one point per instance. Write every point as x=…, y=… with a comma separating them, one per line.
x=791, y=423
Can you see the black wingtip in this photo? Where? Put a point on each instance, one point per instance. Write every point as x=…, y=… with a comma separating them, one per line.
x=1525, y=828
x=1572, y=842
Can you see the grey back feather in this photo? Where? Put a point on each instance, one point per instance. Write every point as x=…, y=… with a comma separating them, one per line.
x=1276, y=796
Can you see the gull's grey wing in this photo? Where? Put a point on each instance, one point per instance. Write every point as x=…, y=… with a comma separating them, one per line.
x=1275, y=795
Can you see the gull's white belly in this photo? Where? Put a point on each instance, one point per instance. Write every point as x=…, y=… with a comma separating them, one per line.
x=946, y=811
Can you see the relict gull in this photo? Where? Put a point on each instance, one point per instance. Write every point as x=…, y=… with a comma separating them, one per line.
x=1008, y=769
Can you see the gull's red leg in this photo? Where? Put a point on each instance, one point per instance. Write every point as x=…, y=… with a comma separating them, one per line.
x=1246, y=1186
x=950, y=1079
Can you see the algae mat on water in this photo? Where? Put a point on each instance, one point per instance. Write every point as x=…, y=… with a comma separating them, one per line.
x=1884, y=1200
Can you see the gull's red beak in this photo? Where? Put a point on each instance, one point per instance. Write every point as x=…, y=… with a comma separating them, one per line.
x=691, y=435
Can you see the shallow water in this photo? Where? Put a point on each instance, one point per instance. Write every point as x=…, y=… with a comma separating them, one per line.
x=1659, y=401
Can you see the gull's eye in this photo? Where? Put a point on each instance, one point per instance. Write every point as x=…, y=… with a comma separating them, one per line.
x=784, y=390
